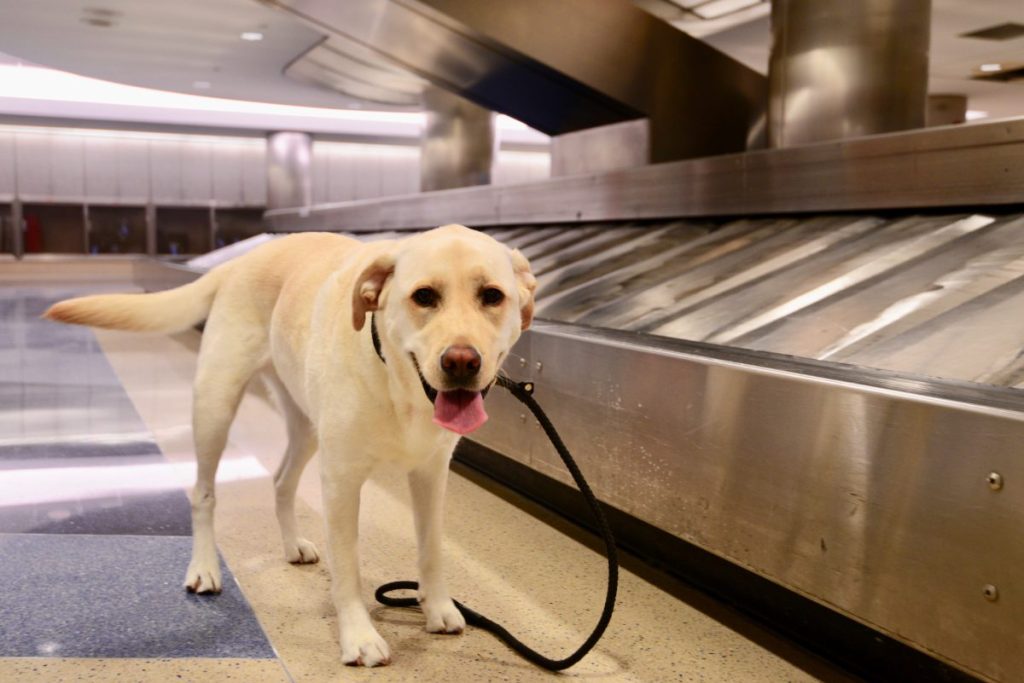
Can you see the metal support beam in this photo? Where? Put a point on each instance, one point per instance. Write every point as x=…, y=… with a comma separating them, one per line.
x=151, y=235
x=17, y=229
x=86, y=228
x=213, y=227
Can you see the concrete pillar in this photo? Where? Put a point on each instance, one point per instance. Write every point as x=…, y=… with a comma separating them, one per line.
x=842, y=69
x=459, y=142
x=289, y=170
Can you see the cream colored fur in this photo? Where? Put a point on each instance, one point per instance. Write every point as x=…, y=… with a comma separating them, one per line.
x=295, y=310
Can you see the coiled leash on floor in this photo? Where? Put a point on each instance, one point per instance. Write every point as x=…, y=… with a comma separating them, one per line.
x=523, y=391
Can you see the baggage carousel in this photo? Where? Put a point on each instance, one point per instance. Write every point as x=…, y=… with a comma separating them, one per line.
x=820, y=392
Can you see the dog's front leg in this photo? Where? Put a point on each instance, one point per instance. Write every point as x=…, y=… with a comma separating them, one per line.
x=427, y=484
x=361, y=645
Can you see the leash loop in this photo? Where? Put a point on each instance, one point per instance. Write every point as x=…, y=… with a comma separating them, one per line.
x=524, y=392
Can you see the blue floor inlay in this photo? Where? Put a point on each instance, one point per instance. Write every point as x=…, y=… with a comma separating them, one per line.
x=94, y=541
x=41, y=453
x=116, y=596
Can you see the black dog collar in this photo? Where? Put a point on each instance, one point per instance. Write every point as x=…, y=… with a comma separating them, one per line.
x=376, y=338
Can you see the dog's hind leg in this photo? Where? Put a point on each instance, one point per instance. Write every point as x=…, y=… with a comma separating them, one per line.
x=301, y=447
x=231, y=352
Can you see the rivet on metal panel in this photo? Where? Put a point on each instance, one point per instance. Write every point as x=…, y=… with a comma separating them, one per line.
x=995, y=481
x=522, y=417
x=990, y=592
x=540, y=366
x=522, y=362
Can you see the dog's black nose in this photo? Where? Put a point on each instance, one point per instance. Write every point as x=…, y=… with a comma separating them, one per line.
x=460, y=362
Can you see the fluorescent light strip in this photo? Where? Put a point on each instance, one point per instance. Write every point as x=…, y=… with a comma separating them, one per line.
x=29, y=82
x=36, y=83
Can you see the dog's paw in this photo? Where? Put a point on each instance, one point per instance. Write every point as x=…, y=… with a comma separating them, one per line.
x=301, y=551
x=364, y=647
x=203, y=577
x=443, y=617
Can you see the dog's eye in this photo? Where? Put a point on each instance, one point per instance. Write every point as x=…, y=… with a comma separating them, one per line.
x=426, y=297
x=492, y=296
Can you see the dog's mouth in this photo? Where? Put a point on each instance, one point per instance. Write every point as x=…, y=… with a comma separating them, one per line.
x=457, y=410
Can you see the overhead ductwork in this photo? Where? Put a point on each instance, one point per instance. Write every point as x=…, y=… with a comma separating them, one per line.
x=561, y=66
x=355, y=70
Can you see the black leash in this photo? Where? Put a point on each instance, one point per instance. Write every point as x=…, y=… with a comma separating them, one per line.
x=524, y=392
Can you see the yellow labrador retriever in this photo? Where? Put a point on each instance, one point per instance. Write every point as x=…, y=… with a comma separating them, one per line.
x=446, y=307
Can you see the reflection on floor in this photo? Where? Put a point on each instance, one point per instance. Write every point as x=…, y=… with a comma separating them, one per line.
x=95, y=455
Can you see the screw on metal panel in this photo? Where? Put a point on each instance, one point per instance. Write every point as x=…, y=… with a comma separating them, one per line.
x=990, y=592
x=995, y=481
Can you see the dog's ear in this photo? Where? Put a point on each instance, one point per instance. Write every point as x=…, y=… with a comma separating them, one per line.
x=366, y=293
x=527, y=285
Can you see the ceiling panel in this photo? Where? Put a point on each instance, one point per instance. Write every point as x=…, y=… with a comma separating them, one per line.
x=192, y=46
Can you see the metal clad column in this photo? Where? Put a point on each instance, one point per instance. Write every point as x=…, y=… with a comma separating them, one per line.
x=459, y=142
x=17, y=228
x=289, y=165
x=842, y=69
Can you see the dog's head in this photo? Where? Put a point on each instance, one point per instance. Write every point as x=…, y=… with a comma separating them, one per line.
x=453, y=301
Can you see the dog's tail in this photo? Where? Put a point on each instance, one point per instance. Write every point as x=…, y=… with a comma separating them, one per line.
x=172, y=310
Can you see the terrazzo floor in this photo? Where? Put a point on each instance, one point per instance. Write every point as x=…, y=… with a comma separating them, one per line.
x=95, y=456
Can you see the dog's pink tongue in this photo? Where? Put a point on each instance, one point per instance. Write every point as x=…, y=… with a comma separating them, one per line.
x=460, y=411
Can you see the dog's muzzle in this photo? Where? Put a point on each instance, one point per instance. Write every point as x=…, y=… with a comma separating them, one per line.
x=458, y=410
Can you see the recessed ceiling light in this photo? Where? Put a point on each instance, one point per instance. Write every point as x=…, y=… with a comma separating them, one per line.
x=99, y=16
x=252, y=36
x=991, y=68
x=201, y=85
x=101, y=11
x=975, y=114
